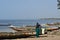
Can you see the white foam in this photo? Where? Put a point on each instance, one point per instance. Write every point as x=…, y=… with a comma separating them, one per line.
x=11, y=26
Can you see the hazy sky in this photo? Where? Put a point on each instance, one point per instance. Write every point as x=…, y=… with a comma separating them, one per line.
x=28, y=9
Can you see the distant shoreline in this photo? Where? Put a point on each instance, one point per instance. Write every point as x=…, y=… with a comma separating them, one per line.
x=50, y=18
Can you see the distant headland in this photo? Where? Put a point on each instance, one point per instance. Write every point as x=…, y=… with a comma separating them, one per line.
x=50, y=18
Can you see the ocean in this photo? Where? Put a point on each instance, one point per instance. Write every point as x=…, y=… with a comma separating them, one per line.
x=20, y=23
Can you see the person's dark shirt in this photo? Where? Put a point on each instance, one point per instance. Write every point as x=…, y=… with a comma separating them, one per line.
x=38, y=25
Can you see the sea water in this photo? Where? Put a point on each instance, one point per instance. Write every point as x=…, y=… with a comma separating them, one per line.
x=22, y=23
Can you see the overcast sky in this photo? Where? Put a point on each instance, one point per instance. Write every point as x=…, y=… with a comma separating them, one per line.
x=28, y=9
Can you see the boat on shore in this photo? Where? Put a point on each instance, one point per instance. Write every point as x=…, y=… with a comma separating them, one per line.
x=48, y=27
x=52, y=26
